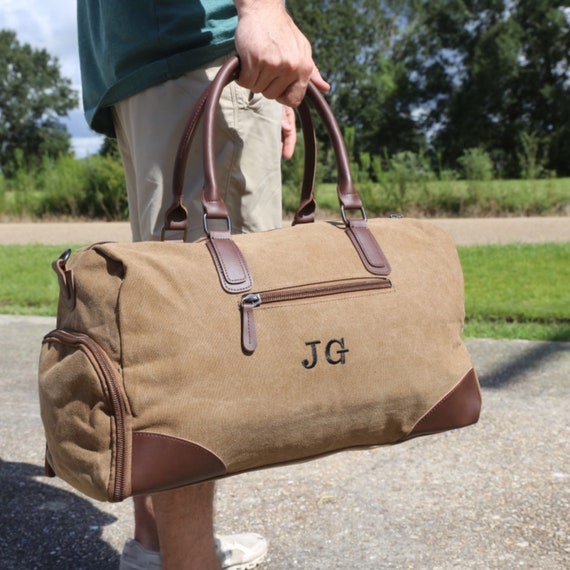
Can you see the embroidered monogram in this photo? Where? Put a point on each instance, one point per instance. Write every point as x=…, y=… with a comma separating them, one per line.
x=335, y=353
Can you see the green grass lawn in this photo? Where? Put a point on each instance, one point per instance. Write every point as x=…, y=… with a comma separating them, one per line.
x=28, y=285
x=514, y=291
x=517, y=291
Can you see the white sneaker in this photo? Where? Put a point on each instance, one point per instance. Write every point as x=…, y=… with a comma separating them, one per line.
x=235, y=552
x=136, y=557
x=241, y=551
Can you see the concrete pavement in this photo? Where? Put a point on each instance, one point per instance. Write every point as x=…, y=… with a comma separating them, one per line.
x=495, y=495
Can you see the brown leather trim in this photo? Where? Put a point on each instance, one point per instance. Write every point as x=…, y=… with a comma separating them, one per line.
x=307, y=205
x=231, y=266
x=180, y=165
x=459, y=408
x=162, y=462
x=248, y=331
x=368, y=248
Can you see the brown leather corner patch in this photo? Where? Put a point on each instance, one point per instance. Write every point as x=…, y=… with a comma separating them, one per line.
x=459, y=408
x=162, y=462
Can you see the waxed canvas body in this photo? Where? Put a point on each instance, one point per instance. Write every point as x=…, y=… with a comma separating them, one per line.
x=146, y=385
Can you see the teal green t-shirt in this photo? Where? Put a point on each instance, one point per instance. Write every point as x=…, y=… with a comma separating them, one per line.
x=126, y=46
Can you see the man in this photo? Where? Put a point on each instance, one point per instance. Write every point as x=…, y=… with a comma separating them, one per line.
x=144, y=64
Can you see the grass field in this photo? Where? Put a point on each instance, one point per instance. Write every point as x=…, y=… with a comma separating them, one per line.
x=514, y=291
x=517, y=291
x=453, y=198
x=28, y=285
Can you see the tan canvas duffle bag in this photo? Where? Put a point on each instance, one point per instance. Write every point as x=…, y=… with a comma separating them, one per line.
x=174, y=363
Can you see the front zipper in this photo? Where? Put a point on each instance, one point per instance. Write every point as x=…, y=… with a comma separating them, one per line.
x=251, y=301
x=95, y=353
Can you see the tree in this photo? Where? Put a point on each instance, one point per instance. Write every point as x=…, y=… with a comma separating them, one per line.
x=488, y=73
x=110, y=149
x=545, y=77
x=355, y=46
x=33, y=96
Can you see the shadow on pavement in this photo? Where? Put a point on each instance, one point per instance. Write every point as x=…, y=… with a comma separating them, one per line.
x=517, y=369
x=45, y=528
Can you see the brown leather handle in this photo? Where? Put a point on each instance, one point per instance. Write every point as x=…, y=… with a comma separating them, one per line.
x=177, y=215
x=214, y=206
x=306, y=211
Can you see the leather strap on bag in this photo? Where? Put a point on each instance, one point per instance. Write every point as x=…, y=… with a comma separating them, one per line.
x=307, y=205
x=232, y=267
x=176, y=217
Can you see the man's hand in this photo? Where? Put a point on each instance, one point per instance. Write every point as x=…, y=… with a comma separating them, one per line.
x=276, y=58
x=288, y=133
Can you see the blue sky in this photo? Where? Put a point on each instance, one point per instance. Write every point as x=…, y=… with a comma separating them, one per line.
x=51, y=24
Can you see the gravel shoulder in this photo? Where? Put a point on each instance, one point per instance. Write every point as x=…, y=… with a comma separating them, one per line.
x=465, y=231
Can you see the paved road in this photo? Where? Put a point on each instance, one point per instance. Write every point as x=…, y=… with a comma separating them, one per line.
x=496, y=495
x=471, y=231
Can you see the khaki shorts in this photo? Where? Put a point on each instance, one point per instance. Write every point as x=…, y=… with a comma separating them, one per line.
x=248, y=150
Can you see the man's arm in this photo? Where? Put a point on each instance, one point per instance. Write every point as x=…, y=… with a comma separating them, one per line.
x=276, y=58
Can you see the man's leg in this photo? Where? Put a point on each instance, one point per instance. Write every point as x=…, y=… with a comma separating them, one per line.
x=147, y=141
x=146, y=532
x=190, y=511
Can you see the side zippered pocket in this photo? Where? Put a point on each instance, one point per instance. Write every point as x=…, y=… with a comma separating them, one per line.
x=112, y=391
x=252, y=301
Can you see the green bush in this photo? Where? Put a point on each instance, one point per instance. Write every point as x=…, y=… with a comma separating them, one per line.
x=19, y=191
x=105, y=189
x=477, y=165
x=402, y=184
x=62, y=187
x=531, y=157
x=454, y=198
x=66, y=187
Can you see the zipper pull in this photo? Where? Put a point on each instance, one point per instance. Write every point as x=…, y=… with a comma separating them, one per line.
x=66, y=280
x=248, y=332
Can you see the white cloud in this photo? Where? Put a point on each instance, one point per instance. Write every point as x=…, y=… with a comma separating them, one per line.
x=84, y=141
x=51, y=25
x=84, y=146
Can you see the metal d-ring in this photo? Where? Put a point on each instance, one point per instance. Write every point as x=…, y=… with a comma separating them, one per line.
x=205, y=224
x=345, y=219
